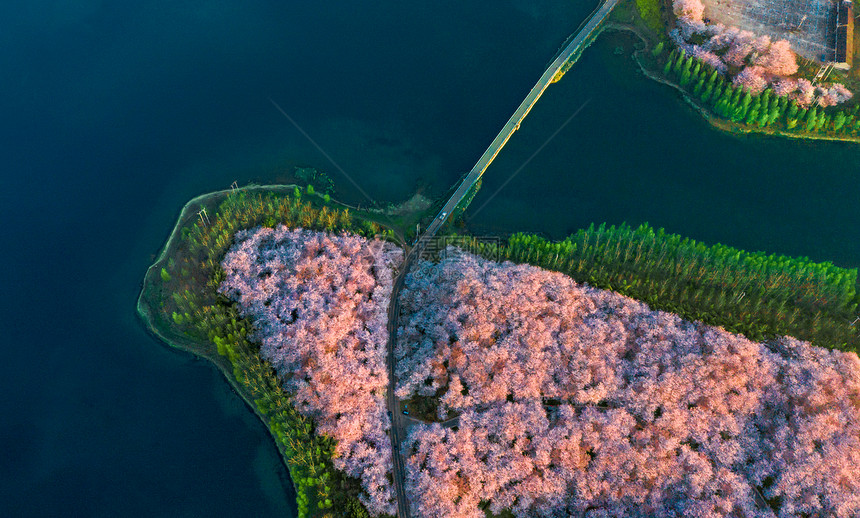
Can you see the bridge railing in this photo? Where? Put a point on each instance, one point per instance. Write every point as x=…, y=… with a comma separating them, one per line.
x=574, y=33
x=435, y=209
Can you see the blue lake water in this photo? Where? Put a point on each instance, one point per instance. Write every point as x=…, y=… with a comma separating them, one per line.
x=635, y=152
x=114, y=115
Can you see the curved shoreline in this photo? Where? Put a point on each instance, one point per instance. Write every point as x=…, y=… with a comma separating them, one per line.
x=154, y=287
x=148, y=313
x=198, y=349
x=309, y=472
x=716, y=122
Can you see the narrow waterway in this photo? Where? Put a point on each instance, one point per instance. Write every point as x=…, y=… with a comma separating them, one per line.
x=636, y=153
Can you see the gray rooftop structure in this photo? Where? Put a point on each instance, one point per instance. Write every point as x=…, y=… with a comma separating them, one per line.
x=809, y=25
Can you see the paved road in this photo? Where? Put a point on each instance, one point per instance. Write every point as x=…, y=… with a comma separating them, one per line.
x=398, y=429
x=450, y=423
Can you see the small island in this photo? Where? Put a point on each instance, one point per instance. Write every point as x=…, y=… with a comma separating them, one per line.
x=620, y=371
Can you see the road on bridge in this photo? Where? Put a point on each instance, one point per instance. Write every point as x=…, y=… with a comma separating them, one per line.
x=398, y=421
x=523, y=110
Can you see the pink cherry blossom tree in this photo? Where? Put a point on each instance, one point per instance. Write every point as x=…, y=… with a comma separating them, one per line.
x=778, y=59
x=805, y=93
x=569, y=399
x=762, y=62
x=784, y=87
x=833, y=94
x=751, y=79
x=318, y=303
x=573, y=399
x=690, y=10
x=739, y=49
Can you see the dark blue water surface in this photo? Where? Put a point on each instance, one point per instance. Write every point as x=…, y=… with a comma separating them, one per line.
x=635, y=152
x=114, y=115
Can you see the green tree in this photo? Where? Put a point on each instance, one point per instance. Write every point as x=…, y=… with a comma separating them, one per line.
x=736, y=95
x=688, y=64
x=792, y=110
x=679, y=62
x=649, y=10
x=765, y=102
x=774, y=114
x=752, y=115
x=717, y=93
x=823, y=119
x=839, y=120
x=165, y=276
x=310, y=189
x=706, y=95
x=738, y=113
x=811, y=118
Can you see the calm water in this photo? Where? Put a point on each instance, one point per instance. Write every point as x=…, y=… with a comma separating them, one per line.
x=636, y=153
x=114, y=115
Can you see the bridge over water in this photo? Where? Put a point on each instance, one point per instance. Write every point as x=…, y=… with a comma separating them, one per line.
x=575, y=45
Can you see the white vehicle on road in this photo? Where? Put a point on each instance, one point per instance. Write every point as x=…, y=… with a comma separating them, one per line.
x=443, y=215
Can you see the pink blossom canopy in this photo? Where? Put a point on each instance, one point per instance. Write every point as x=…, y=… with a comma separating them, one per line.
x=318, y=303
x=568, y=398
x=762, y=62
x=571, y=398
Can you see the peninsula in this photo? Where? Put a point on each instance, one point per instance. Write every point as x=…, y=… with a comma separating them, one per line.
x=622, y=370
x=288, y=295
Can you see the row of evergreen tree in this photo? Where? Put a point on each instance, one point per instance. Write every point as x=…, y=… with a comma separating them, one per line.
x=190, y=307
x=755, y=294
x=766, y=109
